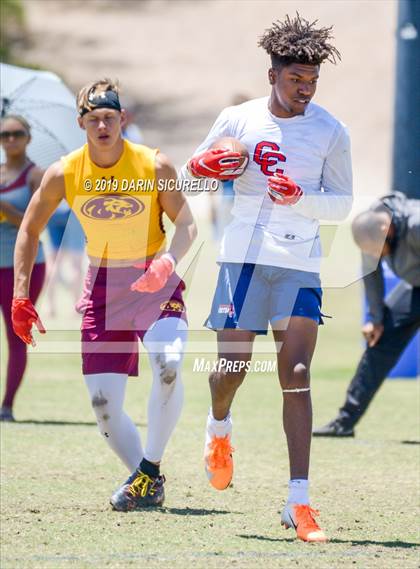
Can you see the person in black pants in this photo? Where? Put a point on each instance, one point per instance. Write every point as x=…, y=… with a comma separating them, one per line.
x=389, y=230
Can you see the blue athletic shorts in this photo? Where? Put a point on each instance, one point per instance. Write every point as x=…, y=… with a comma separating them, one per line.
x=251, y=296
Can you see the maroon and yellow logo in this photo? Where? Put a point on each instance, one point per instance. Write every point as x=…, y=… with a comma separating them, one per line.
x=172, y=306
x=115, y=207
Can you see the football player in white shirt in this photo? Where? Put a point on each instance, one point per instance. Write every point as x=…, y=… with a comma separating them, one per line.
x=299, y=171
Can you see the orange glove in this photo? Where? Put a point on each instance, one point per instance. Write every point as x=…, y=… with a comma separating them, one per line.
x=157, y=274
x=283, y=190
x=23, y=316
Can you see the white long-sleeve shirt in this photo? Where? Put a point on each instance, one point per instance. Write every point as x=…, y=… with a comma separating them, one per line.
x=314, y=150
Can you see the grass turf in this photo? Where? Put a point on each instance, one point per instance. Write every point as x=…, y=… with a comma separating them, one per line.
x=57, y=475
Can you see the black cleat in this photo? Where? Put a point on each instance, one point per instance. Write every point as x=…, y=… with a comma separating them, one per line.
x=334, y=429
x=138, y=492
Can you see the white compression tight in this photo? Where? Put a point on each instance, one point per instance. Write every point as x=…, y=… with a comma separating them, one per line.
x=107, y=392
x=165, y=343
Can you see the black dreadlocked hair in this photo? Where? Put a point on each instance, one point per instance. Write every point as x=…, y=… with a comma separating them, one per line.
x=298, y=41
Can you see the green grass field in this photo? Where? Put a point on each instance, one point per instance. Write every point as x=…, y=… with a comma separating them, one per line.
x=58, y=474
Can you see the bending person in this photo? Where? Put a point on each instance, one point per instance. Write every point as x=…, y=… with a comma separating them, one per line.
x=389, y=230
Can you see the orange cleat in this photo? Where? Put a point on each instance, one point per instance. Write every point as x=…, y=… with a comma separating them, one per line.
x=218, y=461
x=301, y=517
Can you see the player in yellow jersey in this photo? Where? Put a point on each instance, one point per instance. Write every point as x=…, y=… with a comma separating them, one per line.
x=131, y=288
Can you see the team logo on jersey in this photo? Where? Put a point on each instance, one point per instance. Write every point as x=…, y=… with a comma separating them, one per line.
x=172, y=306
x=112, y=207
x=268, y=156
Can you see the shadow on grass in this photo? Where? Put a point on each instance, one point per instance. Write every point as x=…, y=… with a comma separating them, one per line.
x=265, y=538
x=59, y=423
x=410, y=442
x=197, y=512
x=392, y=544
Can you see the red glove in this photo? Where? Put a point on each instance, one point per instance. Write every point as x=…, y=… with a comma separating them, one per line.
x=219, y=163
x=156, y=275
x=283, y=190
x=23, y=316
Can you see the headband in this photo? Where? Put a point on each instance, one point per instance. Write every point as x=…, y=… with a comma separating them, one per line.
x=104, y=100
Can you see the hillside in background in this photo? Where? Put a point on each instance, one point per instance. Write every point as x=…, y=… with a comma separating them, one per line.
x=181, y=62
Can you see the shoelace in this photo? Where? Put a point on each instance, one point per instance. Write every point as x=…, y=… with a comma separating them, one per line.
x=142, y=485
x=220, y=452
x=305, y=516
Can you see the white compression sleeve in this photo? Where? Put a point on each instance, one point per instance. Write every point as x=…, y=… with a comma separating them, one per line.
x=165, y=343
x=107, y=391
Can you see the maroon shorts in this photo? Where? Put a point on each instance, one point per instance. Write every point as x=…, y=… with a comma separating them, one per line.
x=114, y=317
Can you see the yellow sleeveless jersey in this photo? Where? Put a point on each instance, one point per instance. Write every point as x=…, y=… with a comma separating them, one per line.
x=117, y=207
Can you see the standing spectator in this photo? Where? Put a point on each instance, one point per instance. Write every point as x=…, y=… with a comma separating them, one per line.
x=19, y=178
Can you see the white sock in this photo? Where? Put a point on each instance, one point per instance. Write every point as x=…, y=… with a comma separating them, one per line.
x=107, y=391
x=298, y=491
x=219, y=428
x=165, y=343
